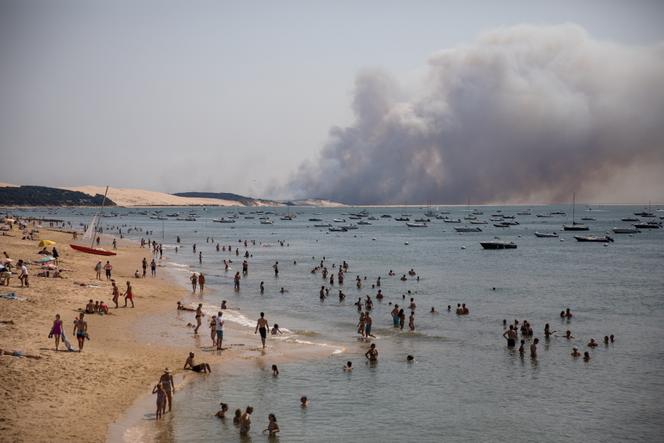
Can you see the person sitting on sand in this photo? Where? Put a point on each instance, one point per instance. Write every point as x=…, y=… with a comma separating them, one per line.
x=201, y=367
x=272, y=427
x=221, y=413
x=136, y=274
x=90, y=307
x=103, y=308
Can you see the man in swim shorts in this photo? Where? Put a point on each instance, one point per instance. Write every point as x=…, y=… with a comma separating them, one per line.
x=80, y=331
x=219, y=328
x=262, y=326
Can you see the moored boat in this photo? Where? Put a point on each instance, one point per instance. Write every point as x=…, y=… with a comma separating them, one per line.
x=498, y=244
x=593, y=238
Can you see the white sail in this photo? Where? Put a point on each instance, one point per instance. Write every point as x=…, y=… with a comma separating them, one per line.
x=90, y=232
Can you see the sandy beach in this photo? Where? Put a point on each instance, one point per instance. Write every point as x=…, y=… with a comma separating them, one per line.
x=78, y=395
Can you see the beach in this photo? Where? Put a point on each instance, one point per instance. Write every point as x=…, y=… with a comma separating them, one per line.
x=76, y=396
x=458, y=384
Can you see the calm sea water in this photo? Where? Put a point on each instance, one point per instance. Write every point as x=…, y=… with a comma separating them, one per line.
x=465, y=385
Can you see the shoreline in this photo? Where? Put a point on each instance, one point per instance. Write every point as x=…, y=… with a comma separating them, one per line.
x=97, y=385
x=241, y=349
x=128, y=349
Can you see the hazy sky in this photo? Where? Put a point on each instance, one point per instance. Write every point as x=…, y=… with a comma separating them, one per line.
x=233, y=96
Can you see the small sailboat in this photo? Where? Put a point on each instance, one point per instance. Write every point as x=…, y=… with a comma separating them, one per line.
x=575, y=226
x=91, y=234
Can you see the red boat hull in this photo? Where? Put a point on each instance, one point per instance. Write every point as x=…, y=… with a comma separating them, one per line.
x=88, y=250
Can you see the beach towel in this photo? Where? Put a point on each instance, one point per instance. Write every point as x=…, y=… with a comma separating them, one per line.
x=12, y=296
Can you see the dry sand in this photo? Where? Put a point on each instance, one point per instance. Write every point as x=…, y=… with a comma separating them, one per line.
x=141, y=197
x=67, y=396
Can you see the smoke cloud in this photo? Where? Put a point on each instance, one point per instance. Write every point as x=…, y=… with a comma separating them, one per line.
x=526, y=113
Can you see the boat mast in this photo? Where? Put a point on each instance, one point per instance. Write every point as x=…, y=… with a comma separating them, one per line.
x=101, y=210
x=573, y=206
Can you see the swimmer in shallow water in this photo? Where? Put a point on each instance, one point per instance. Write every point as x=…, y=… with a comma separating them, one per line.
x=348, y=366
x=575, y=352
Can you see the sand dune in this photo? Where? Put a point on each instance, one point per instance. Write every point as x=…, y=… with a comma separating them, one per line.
x=140, y=197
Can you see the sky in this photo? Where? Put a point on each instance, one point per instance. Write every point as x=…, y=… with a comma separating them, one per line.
x=357, y=101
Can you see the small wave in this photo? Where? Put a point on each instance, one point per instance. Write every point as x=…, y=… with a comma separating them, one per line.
x=337, y=350
x=305, y=333
x=177, y=265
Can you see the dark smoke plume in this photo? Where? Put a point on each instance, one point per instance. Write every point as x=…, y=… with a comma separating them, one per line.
x=522, y=114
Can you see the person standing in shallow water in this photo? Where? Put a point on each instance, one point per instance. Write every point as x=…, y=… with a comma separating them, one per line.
x=245, y=421
x=167, y=383
x=262, y=326
x=533, y=349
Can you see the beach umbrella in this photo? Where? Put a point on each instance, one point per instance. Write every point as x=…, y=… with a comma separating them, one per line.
x=45, y=259
x=44, y=243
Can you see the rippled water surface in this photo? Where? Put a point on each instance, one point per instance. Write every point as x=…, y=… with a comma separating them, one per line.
x=464, y=385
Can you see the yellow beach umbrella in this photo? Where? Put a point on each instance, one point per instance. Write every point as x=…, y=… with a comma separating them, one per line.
x=44, y=243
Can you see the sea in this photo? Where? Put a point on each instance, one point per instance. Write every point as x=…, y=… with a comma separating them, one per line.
x=464, y=384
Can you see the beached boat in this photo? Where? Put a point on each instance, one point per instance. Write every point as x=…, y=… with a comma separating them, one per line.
x=416, y=225
x=593, y=238
x=91, y=234
x=467, y=229
x=498, y=244
x=546, y=234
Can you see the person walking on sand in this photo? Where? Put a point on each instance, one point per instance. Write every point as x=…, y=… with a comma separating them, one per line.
x=213, y=330
x=194, y=282
x=245, y=421
x=161, y=400
x=153, y=268
x=56, y=331
x=201, y=282
x=108, y=268
x=80, y=331
x=219, y=328
x=144, y=264
x=262, y=326
x=115, y=292
x=129, y=295
x=199, y=316
x=98, y=267
x=167, y=383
